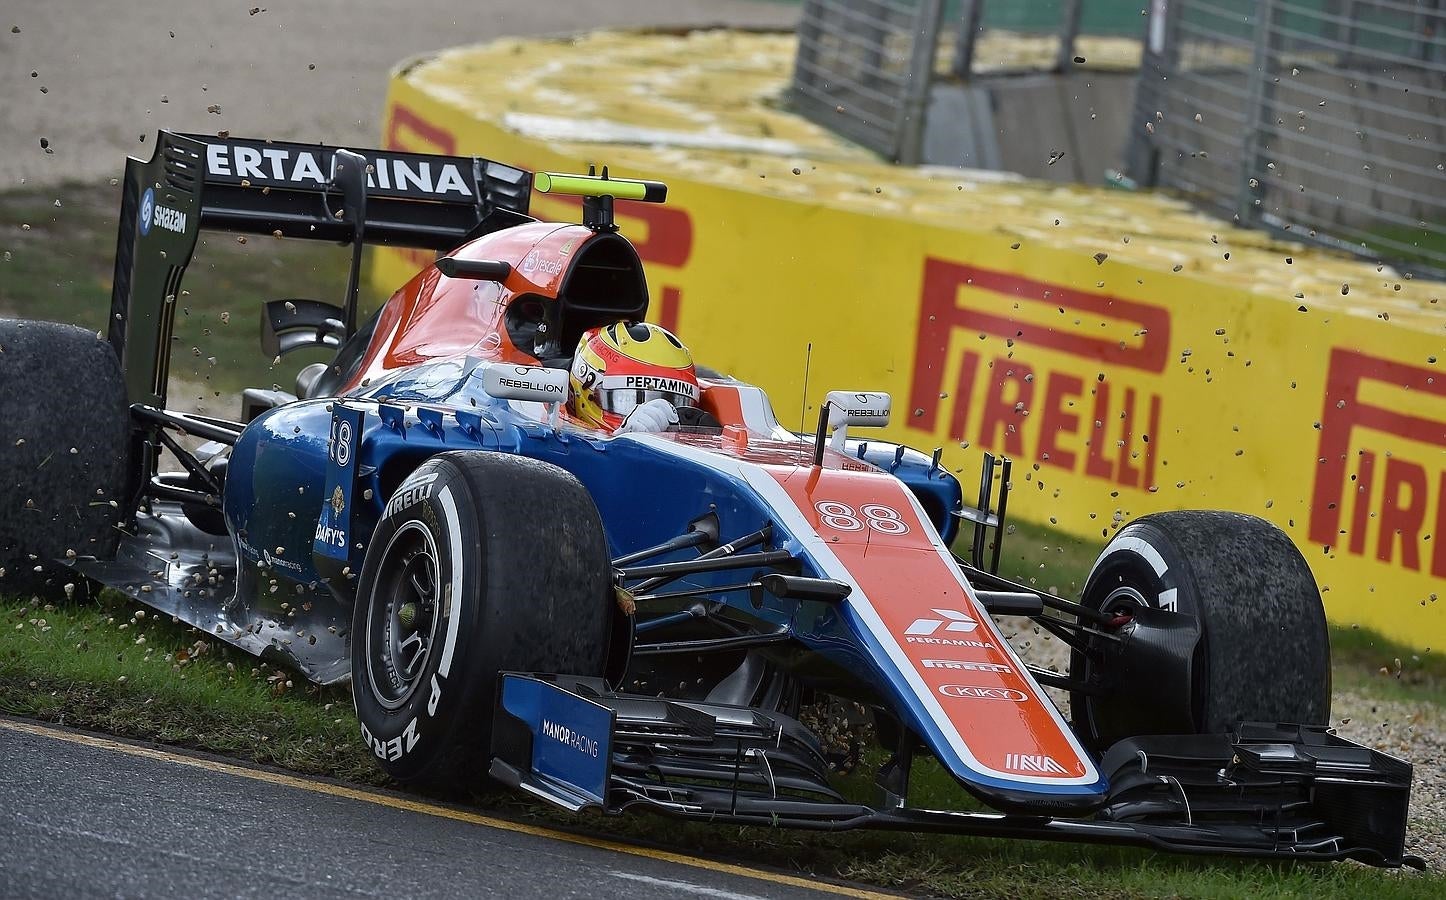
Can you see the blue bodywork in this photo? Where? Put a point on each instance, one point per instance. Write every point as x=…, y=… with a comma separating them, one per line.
x=308, y=482
x=278, y=493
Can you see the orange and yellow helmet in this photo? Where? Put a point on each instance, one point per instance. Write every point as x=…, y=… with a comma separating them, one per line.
x=619, y=367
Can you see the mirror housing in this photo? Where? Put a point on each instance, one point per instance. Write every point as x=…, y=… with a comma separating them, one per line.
x=539, y=383
x=288, y=325
x=864, y=409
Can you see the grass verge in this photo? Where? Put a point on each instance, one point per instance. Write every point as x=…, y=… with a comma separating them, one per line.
x=117, y=667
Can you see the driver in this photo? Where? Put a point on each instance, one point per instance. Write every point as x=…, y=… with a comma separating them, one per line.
x=631, y=376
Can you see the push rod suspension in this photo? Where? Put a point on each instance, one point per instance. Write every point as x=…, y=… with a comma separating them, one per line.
x=722, y=550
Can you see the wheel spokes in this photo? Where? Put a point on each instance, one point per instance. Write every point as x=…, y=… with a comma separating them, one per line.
x=405, y=620
x=423, y=583
x=410, y=653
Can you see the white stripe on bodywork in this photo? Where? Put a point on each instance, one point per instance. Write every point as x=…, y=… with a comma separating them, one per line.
x=452, y=601
x=784, y=506
x=1090, y=774
x=758, y=413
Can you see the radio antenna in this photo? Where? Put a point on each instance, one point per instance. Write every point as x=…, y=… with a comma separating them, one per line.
x=803, y=407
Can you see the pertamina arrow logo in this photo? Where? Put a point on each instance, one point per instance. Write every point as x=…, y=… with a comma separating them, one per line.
x=953, y=621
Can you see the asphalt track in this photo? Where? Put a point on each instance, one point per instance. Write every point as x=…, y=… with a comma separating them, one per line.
x=84, y=816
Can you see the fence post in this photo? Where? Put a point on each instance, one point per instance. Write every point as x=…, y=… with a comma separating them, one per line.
x=910, y=139
x=808, y=37
x=969, y=15
x=1257, y=115
x=1159, y=60
x=1068, y=31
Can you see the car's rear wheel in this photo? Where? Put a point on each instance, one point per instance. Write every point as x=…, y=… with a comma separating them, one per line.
x=483, y=562
x=64, y=455
x=1263, y=654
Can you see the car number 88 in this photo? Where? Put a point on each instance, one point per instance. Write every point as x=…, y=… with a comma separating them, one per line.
x=841, y=517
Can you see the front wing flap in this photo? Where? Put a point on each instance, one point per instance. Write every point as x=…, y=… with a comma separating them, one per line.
x=1279, y=791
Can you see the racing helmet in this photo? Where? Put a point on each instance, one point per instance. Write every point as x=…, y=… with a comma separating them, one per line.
x=621, y=366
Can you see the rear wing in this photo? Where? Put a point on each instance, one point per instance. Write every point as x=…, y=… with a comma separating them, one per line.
x=280, y=188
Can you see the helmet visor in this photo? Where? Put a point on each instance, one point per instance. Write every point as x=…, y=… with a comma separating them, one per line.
x=621, y=394
x=624, y=400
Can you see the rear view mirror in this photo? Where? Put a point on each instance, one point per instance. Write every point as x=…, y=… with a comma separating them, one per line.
x=865, y=409
x=288, y=325
x=507, y=382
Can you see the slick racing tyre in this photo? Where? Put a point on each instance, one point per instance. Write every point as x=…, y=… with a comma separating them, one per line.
x=64, y=453
x=1263, y=653
x=483, y=562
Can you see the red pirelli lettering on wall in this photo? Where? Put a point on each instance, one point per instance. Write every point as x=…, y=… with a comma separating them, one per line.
x=1371, y=497
x=1084, y=424
x=409, y=132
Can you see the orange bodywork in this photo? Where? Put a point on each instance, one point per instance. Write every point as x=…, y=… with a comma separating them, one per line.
x=869, y=523
x=932, y=626
x=434, y=317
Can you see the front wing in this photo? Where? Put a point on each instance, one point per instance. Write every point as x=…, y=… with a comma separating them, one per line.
x=1278, y=791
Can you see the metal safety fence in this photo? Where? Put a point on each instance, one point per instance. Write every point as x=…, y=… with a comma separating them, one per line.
x=1324, y=118
x=863, y=69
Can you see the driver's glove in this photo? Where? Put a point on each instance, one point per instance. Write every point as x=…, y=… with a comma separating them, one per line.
x=655, y=415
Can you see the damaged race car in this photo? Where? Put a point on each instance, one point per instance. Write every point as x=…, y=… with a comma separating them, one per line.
x=620, y=618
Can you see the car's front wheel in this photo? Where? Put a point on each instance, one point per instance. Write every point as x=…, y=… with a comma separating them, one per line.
x=1263, y=652
x=483, y=562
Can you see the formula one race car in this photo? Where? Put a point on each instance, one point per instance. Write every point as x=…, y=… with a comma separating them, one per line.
x=631, y=620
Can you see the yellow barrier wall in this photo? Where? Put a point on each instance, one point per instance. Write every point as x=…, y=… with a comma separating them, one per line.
x=1118, y=390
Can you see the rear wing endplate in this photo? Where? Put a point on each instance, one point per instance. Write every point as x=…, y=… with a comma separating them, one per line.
x=285, y=189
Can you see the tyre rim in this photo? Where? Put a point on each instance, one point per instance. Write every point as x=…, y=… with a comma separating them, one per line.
x=1123, y=601
x=402, y=615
